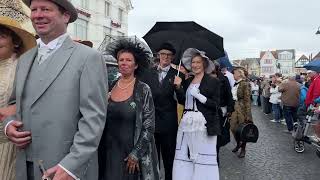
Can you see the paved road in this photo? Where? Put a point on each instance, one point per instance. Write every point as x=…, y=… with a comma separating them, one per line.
x=271, y=158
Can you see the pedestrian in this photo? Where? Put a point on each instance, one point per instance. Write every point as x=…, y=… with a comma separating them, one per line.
x=255, y=92
x=242, y=108
x=226, y=108
x=166, y=107
x=127, y=149
x=314, y=89
x=265, y=86
x=60, y=98
x=290, y=94
x=14, y=41
x=228, y=74
x=275, y=99
x=195, y=156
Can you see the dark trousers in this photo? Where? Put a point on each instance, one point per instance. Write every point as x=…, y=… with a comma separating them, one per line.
x=166, y=144
x=266, y=105
x=290, y=115
x=30, y=175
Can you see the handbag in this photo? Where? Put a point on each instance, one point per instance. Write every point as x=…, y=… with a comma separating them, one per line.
x=247, y=132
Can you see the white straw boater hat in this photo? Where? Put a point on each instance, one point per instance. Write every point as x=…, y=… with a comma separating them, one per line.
x=190, y=53
x=28, y=40
x=66, y=4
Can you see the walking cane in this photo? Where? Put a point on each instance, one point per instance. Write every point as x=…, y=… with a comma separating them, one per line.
x=43, y=170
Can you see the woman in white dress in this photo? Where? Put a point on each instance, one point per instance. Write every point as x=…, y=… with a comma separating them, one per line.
x=196, y=156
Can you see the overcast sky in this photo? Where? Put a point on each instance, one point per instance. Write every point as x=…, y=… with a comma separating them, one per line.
x=247, y=26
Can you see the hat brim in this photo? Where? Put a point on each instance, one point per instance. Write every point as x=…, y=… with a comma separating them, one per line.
x=68, y=6
x=28, y=39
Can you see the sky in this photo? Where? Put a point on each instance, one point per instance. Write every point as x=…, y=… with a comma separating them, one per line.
x=247, y=26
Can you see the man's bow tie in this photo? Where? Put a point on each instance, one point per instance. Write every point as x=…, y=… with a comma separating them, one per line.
x=235, y=84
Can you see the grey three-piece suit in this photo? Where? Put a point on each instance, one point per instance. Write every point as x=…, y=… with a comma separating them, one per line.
x=64, y=105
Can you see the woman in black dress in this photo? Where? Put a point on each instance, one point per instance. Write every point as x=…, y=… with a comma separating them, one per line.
x=127, y=149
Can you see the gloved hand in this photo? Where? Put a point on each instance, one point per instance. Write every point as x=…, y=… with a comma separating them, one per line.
x=195, y=92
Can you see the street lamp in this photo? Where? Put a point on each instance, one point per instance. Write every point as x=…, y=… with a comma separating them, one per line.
x=318, y=32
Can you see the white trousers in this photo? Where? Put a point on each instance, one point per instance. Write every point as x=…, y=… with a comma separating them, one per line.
x=196, y=157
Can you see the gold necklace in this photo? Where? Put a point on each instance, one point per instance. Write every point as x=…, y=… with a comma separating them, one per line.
x=129, y=84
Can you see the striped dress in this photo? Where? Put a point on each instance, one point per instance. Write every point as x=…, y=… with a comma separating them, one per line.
x=7, y=149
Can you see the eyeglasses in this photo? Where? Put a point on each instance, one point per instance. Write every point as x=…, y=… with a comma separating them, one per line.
x=166, y=54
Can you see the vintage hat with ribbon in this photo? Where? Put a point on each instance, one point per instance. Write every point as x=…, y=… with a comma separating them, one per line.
x=190, y=53
x=28, y=39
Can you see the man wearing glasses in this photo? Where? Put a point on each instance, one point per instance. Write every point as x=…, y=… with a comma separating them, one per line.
x=166, y=108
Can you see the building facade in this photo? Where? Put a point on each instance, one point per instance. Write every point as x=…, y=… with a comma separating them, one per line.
x=303, y=60
x=286, y=61
x=268, y=63
x=100, y=18
x=253, y=66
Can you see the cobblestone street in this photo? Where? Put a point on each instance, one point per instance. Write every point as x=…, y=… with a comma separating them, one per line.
x=271, y=158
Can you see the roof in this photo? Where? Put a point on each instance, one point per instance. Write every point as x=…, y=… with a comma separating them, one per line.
x=253, y=60
x=288, y=50
x=274, y=53
x=317, y=56
x=303, y=57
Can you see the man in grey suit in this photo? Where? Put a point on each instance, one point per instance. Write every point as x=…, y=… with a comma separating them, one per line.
x=60, y=95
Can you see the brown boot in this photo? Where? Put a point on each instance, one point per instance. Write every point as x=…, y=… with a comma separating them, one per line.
x=243, y=151
x=236, y=149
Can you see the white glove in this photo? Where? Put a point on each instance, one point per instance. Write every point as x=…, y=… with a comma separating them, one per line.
x=195, y=92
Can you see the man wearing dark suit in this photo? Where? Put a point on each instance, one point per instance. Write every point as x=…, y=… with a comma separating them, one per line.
x=166, y=108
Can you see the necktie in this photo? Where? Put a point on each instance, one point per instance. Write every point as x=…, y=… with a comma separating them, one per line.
x=43, y=53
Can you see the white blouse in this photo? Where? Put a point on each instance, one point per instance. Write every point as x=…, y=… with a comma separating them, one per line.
x=234, y=90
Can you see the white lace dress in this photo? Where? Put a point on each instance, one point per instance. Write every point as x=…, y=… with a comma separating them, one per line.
x=7, y=149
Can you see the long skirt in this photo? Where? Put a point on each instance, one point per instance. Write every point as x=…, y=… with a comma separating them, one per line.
x=196, y=157
x=7, y=161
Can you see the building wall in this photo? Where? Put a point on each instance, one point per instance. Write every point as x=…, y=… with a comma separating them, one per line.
x=267, y=64
x=95, y=22
x=287, y=63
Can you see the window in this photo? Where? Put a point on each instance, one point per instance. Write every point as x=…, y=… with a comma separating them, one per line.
x=81, y=29
x=268, y=61
x=106, y=31
x=107, y=34
x=120, y=15
x=106, y=9
x=81, y=3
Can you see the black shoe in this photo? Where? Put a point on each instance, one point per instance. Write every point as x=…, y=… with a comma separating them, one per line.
x=242, y=153
x=236, y=149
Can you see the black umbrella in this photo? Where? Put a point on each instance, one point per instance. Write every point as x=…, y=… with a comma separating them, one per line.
x=184, y=35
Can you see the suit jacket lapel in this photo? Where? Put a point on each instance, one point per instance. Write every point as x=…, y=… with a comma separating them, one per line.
x=203, y=83
x=166, y=80
x=61, y=57
x=24, y=68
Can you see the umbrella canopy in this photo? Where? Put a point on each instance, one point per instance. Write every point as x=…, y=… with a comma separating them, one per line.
x=313, y=65
x=225, y=62
x=184, y=35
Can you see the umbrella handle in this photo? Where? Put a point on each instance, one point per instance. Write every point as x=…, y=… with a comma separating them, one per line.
x=179, y=68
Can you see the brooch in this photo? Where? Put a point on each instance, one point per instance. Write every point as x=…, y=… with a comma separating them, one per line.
x=133, y=105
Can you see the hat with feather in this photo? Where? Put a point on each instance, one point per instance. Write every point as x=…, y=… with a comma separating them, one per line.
x=140, y=51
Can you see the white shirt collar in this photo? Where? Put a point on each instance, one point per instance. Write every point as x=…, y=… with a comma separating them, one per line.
x=165, y=69
x=54, y=43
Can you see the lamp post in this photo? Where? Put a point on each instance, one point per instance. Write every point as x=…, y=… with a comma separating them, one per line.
x=318, y=31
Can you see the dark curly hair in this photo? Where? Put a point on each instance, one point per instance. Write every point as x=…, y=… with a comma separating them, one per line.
x=16, y=40
x=142, y=57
